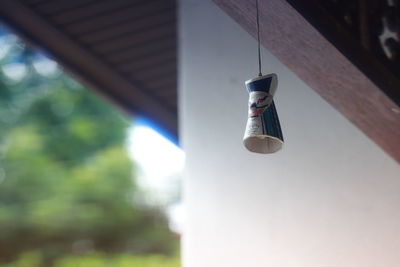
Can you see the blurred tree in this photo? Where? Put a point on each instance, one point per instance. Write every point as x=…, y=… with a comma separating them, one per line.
x=66, y=182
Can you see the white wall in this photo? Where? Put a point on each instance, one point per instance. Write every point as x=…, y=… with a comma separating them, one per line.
x=331, y=197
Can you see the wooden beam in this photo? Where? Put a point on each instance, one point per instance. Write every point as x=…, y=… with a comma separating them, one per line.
x=298, y=45
x=88, y=67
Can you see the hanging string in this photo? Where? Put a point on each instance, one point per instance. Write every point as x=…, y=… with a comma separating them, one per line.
x=258, y=40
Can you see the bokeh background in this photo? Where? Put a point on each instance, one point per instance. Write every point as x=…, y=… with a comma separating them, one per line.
x=71, y=193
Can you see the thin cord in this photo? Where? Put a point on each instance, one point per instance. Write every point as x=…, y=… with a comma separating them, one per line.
x=258, y=40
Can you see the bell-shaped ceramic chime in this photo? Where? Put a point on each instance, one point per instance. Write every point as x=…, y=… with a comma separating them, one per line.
x=263, y=131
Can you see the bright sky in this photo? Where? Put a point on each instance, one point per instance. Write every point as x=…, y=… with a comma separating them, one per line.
x=160, y=168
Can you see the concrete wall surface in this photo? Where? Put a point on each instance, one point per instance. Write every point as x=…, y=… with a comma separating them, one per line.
x=330, y=198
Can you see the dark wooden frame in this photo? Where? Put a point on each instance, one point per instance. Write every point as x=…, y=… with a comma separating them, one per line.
x=358, y=52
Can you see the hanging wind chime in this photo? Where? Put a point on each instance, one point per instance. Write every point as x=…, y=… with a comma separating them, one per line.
x=263, y=131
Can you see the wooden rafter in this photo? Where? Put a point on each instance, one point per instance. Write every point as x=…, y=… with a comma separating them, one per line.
x=90, y=68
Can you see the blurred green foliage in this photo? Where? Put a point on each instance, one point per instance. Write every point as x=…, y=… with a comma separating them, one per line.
x=33, y=259
x=66, y=181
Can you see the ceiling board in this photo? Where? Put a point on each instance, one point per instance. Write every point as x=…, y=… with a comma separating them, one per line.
x=117, y=47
